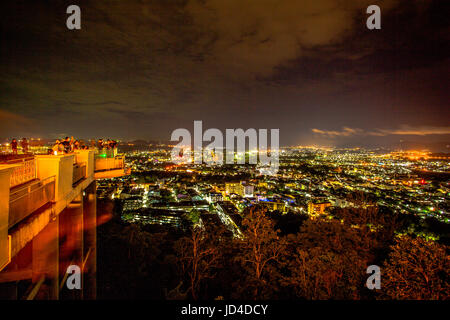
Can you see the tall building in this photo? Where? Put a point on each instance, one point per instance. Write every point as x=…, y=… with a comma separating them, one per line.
x=48, y=221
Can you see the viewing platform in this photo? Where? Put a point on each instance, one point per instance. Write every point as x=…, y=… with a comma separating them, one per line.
x=110, y=165
x=48, y=220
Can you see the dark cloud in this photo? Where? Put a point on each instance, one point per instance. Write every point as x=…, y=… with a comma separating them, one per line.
x=140, y=69
x=404, y=130
x=11, y=123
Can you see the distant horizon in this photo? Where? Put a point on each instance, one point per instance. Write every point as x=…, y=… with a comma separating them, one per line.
x=407, y=145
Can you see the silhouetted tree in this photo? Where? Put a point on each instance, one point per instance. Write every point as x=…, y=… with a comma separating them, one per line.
x=375, y=224
x=288, y=223
x=416, y=269
x=129, y=260
x=260, y=250
x=198, y=256
x=327, y=260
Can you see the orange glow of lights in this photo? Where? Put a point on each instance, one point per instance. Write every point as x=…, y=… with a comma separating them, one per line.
x=9, y=254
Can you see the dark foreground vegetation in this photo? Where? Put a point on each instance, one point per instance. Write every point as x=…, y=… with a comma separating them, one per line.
x=279, y=257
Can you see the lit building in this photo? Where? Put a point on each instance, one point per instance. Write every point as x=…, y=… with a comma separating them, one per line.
x=248, y=191
x=132, y=203
x=215, y=197
x=316, y=208
x=262, y=184
x=234, y=187
x=157, y=216
x=240, y=189
x=274, y=205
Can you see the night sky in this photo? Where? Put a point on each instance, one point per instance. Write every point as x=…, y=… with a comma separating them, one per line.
x=140, y=69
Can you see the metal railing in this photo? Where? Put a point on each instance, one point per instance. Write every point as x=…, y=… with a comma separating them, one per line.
x=79, y=172
x=102, y=164
x=26, y=171
x=26, y=200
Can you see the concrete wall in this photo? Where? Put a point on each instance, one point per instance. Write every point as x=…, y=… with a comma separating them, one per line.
x=86, y=156
x=61, y=167
x=5, y=172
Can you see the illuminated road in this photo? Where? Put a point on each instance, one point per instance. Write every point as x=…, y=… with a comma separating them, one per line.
x=226, y=220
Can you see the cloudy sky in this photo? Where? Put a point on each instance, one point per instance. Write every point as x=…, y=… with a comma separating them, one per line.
x=141, y=69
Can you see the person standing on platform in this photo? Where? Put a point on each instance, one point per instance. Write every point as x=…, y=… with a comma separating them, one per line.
x=14, y=146
x=24, y=144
